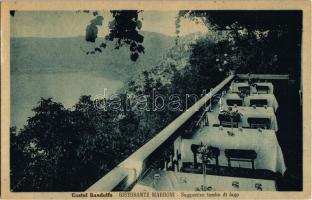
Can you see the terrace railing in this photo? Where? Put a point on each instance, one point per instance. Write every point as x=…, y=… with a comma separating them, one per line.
x=126, y=174
x=263, y=76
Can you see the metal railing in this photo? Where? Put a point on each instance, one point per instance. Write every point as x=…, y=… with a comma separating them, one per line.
x=263, y=76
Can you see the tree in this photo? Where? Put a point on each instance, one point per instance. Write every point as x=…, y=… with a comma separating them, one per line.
x=55, y=151
x=123, y=29
x=18, y=159
x=272, y=38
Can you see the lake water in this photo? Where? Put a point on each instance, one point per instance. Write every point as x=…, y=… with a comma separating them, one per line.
x=66, y=88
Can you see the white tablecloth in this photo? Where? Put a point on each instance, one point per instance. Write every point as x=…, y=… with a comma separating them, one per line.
x=258, y=112
x=233, y=96
x=269, y=84
x=269, y=154
x=272, y=102
x=177, y=181
x=229, y=96
x=234, y=86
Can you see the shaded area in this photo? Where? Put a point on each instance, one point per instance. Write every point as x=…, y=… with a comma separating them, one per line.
x=289, y=116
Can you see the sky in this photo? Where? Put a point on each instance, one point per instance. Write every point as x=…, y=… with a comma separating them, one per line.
x=70, y=23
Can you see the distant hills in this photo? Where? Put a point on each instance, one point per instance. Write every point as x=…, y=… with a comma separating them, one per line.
x=42, y=55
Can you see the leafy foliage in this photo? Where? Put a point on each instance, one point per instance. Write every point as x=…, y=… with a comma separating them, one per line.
x=92, y=29
x=262, y=40
x=69, y=149
x=123, y=29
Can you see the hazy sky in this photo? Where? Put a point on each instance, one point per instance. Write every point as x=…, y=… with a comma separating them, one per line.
x=71, y=23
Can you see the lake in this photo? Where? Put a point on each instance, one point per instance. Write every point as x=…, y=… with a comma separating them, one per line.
x=66, y=88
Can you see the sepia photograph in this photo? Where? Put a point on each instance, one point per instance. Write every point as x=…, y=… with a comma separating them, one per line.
x=150, y=102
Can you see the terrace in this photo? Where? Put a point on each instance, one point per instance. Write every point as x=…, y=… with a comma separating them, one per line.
x=161, y=152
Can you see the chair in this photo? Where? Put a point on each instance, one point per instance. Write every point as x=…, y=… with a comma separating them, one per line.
x=263, y=89
x=215, y=152
x=263, y=123
x=241, y=155
x=229, y=124
x=231, y=102
x=244, y=89
x=226, y=121
x=215, y=125
x=239, y=80
x=258, y=102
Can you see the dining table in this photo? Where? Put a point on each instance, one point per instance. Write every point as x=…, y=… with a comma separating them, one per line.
x=234, y=87
x=270, y=98
x=231, y=96
x=264, y=142
x=254, y=112
x=268, y=84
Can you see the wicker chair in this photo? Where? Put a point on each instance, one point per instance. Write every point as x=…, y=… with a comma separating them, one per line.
x=240, y=155
x=232, y=102
x=244, y=89
x=226, y=121
x=259, y=102
x=262, y=89
x=263, y=123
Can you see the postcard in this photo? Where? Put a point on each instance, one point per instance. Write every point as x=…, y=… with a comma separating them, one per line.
x=154, y=99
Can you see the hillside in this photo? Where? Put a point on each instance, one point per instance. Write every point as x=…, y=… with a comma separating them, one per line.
x=175, y=59
x=68, y=54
